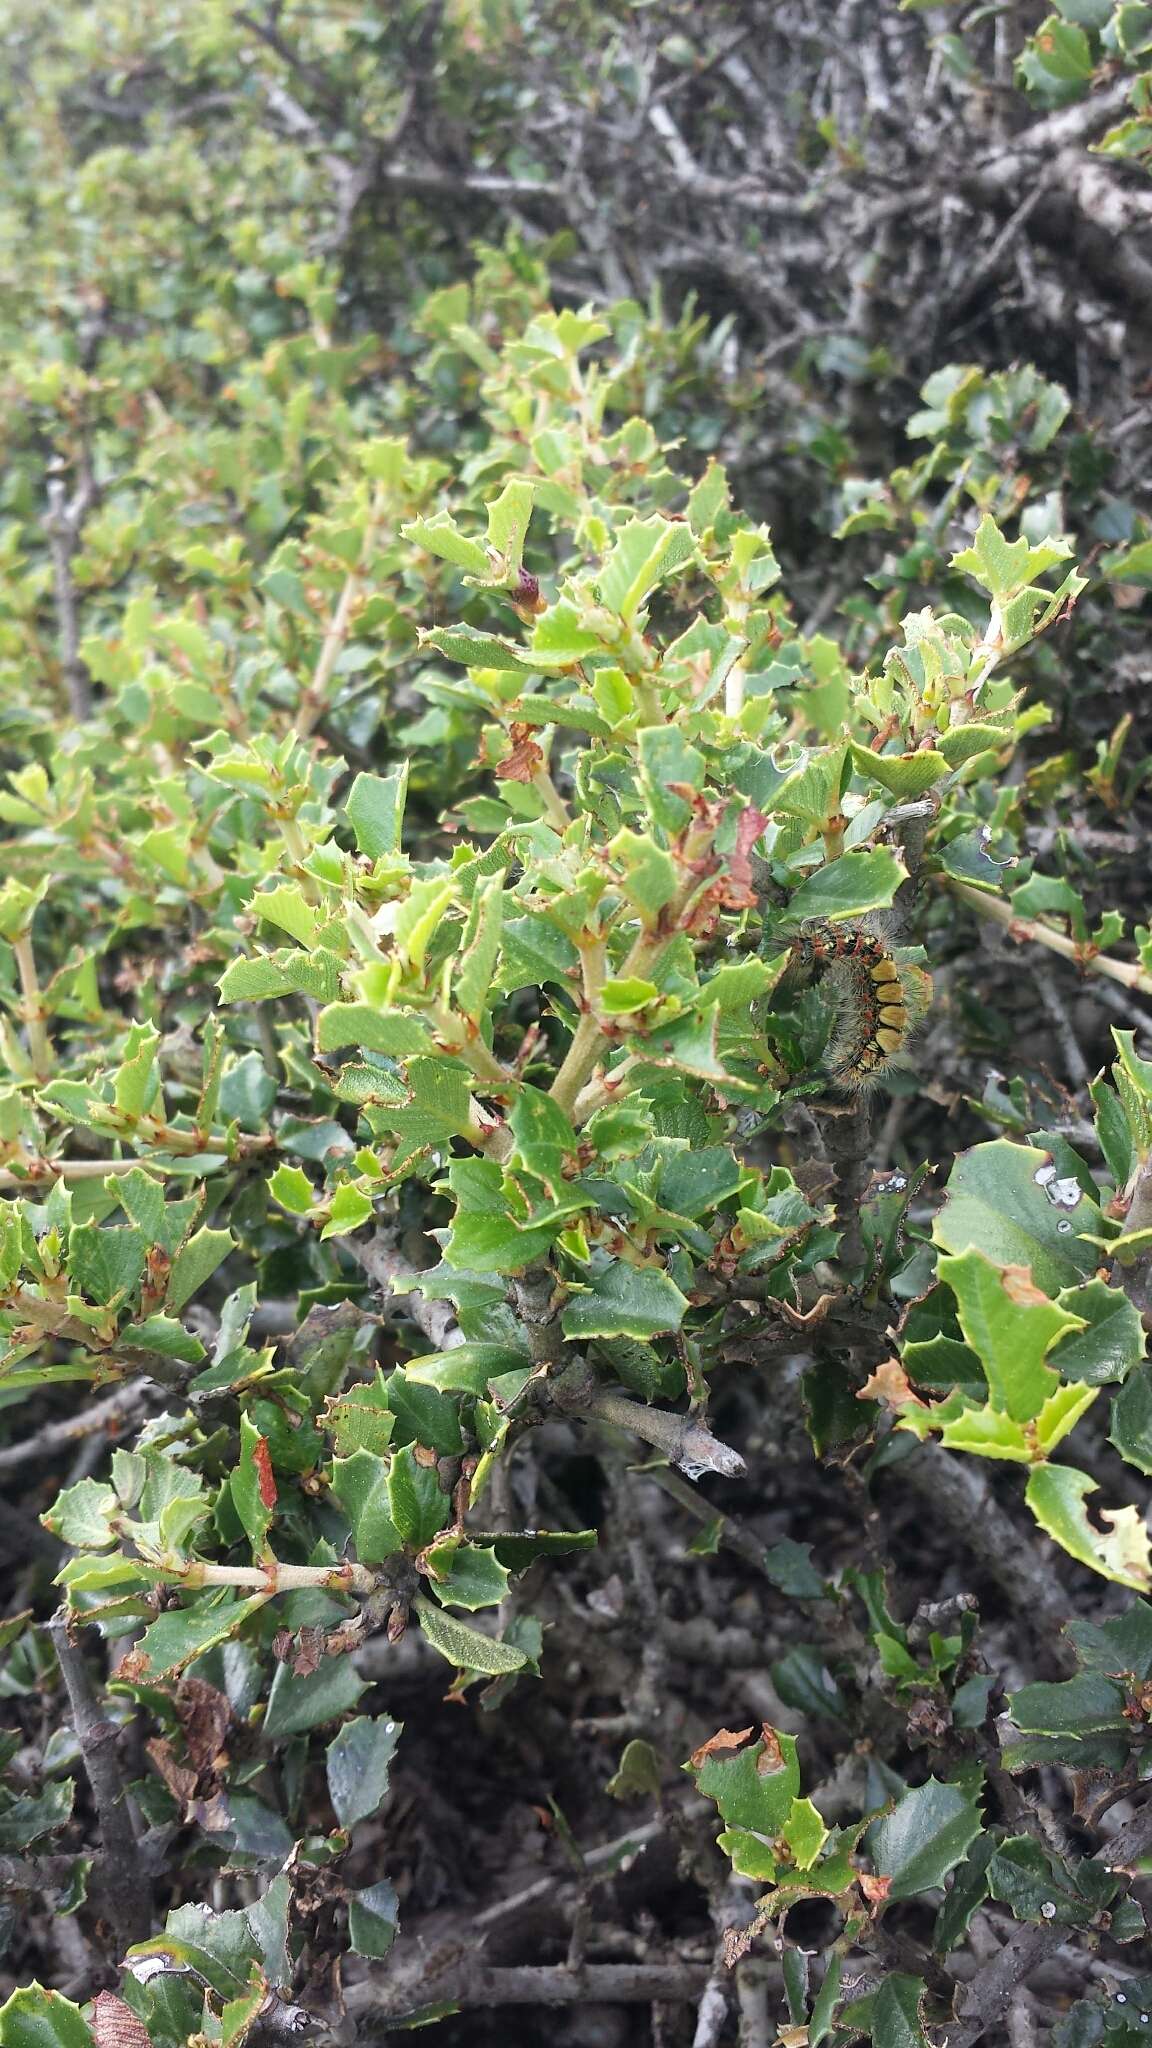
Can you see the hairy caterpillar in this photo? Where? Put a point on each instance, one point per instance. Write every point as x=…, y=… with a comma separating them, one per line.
x=878, y=1000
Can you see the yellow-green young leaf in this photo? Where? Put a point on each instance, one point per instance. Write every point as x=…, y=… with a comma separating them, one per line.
x=374, y=807
x=906, y=776
x=398, y=1033
x=36, y=2018
x=137, y=1079
x=644, y=553
x=289, y=910
x=349, y=1209
x=1011, y=1326
x=195, y=1262
x=441, y=536
x=465, y=1647
x=418, y=1506
x=480, y=949
x=805, y=1833
x=1057, y=1494
x=418, y=917
x=468, y=1575
x=79, y=1515
x=648, y=876
x=621, y=998
x=254, y=1489
x=508, y=517
x=291, y=1187
x=748, y=1855
x=1061, y=1412
x=1005, y=567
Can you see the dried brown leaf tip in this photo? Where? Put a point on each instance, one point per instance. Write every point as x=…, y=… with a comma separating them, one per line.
x=875, y=1889
x=724, y=1739
x=1020, y=1287
x=890, y=1384
x=771, y=1757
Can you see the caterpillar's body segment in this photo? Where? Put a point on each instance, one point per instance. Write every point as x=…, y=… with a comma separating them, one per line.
x=878, y=1001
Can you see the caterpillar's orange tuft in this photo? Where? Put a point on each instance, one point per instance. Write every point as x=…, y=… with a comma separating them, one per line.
x=878, y=1000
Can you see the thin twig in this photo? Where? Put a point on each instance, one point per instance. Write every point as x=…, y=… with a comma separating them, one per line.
x=103, y=1416
x=1127, y=973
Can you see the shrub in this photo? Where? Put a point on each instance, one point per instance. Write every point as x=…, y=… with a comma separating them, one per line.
x=352, y=1143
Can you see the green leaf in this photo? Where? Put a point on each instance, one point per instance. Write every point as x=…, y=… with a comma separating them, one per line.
x=297, y=1704
x=754, y=1788
x=1131, y=1430
x=896, y=2012
x=186, y=1632
x=441, y=536
x=360, y=1484
x=291, y=1187
x=373, y=1919
x=374, y=808
x=1010, y=1202
x=624, y=1301
x=349, y=1209
x=824, y=2003
x=476, y=650
x=254, y=1489
x=1111, y=1343
x=359, y=1760
x=106, y=1264
x=1011, y=1326
x=465, y=1647
x=928, y=1832
x=136, y=1079
x=805, y=1833
x=424, y=1415
x=848, y=887
x=79, y=1515
x=467, y=1575
x=397, y=1033
x=508, y=517
x=1006, y=567
x=649, y=876
x=36, y=2018
x=289, y=910
x=1085, y=1705
x=418, y=1506
x=1056, y=1495
x=645, y=552
x=194, y=1264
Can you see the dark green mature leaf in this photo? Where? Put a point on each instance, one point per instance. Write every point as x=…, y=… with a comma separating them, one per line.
x=896, y=2013
x=359, y=1761
x=928, y=1832
x=850, y=886
x=624, y=1301
x=1131, y=1430
x=753, y=1788
x=296, y=1704
x=466, y=1647
x=373, y=1919
x=186, y=1632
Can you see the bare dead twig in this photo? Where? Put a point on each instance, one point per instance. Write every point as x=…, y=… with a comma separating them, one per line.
x=123, y=1878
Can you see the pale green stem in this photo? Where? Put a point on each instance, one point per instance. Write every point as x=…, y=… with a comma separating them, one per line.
x=1127, y=973
x=282, y=1578
x=33, y=1009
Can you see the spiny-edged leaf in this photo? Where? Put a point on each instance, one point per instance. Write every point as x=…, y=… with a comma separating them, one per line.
x=441, y=536
x=1112, y=1341
x=624, y=1301
x=476, y=650
x=848, y=887
x=1011, y=1326
x=1086, y=1705
x=1007, y=566
x=467, y=1368
x=753, y=1788
x=79, y=1515
x=424, y=1415
x=671, y=769
x=254, y=1488
x=644, y=553
x=1131, y=1430
x=186, y=1632
x=418, y=1506
x=465, y=1647
x=297, y=1703
x=36, y=2018
x=1010, y=1202
x=805, y=1833
x=374, y=807
x=194, y=1264
x=896, y=2012
x=360, y=1484
x=928, y=1832
x=508, y=517
x=1057, y=1496
x=373, y=1919
x=467, y=1575
x=359, y=1759
x=397, y=1033
x=968, y=1893
x=289, y=910
x=106, y=1263
x=291, y=1187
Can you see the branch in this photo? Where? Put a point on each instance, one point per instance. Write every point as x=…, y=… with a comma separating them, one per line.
x=63, y=525
x=682, y=1439
x=384, y=1265
x=468, y=1984
x=1031, y=929
x=123, y=1878
x=72, y=1429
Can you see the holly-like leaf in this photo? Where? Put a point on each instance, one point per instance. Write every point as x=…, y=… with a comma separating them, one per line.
x=359, y=1760
x=928, y=1832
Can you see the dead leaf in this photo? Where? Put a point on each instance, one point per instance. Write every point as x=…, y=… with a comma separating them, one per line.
x=875, y=1889
x=771, y=1757
x=115, y=2025
x=724, y=1739
x=890, y=1384
x=180, y=1781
